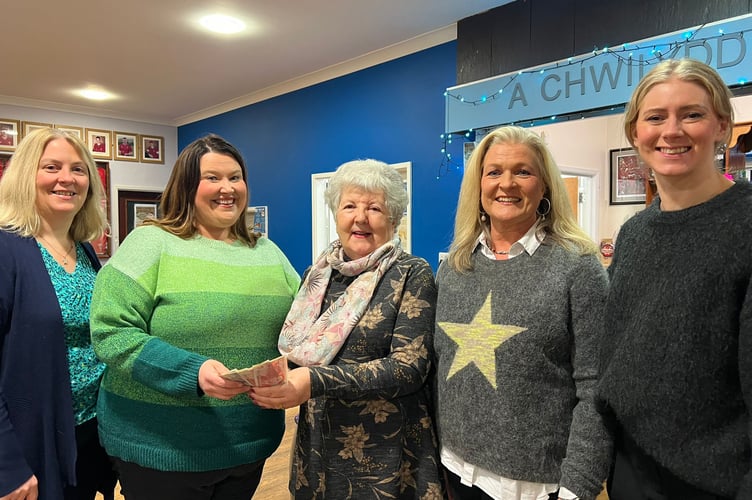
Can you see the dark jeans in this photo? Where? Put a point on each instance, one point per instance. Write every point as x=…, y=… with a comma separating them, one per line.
x=458, y=491
x=142, y=483
x=94, y=469
x=636, y=476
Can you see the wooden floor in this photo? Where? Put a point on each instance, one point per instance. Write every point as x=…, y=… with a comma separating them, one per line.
x=276, y=470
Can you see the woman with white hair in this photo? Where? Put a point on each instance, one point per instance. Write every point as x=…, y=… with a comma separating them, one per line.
x=361, y=330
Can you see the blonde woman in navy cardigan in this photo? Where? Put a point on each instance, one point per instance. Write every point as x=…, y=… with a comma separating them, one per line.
x=50, y=204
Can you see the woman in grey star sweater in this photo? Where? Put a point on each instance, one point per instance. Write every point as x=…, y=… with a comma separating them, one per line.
x=519, y=316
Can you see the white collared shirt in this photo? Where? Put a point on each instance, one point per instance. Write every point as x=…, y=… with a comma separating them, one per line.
x=529, y=242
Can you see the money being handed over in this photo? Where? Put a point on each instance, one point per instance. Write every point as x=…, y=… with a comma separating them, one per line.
x=270, y=372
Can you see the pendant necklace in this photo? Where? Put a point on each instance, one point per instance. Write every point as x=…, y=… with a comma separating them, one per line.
x=500, y=252
x=65, y=255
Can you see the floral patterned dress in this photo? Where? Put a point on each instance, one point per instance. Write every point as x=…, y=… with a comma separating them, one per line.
x=368, y=430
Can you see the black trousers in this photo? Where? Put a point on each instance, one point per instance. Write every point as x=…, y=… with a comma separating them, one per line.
x=94, y=469
x=636, y=476
x=143, y=483
x=458, y=491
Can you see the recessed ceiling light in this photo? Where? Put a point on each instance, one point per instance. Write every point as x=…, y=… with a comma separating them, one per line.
x=95, y=94
x=219, y=23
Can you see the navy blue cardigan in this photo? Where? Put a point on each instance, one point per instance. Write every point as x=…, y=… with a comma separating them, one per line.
x=37, y=426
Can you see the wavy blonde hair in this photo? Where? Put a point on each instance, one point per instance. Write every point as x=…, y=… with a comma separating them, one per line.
x=18, y=189
x=559, y=225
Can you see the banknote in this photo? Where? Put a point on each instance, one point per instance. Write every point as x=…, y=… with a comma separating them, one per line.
x=270, y=372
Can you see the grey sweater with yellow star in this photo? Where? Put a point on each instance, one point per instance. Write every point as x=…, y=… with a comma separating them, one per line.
x=516, y=345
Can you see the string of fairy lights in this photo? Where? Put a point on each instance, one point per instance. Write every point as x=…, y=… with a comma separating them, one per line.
x=623, y=54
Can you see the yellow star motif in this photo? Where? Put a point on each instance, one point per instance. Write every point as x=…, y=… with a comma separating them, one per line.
x=478, y=341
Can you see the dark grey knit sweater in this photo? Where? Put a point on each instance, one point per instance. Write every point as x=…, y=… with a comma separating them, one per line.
x=516, y=343
x=678, y=354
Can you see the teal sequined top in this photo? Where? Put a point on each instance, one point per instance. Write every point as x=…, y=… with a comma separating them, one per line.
x=74, y=296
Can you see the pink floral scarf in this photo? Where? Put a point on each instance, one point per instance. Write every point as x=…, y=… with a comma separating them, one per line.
x=310, y=339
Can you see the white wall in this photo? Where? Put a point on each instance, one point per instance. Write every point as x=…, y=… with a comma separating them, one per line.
x=585, y=144
x=123, y=174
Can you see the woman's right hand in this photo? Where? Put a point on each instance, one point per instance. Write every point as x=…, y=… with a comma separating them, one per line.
x=210, y=381
x=27, y=491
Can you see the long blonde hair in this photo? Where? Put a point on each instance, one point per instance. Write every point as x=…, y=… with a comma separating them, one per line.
x=18, y=189
x=559, y=225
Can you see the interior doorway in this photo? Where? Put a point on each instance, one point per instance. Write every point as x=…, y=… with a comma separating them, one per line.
x=582, y=189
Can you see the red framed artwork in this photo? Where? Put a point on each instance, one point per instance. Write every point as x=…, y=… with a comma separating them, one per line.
x=102, y=245
x=4, y=159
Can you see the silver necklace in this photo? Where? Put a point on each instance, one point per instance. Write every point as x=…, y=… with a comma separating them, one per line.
x=65, y=255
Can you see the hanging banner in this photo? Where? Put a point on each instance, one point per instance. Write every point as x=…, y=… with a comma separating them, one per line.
x=598, y=80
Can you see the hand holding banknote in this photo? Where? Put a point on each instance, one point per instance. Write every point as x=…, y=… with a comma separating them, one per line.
x=294, y=392
x=269, y=373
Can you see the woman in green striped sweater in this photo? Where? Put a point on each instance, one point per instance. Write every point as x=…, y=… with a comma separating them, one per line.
x=185, y=298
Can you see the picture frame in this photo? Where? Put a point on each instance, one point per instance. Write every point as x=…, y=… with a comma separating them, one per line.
x=99, y=143
x=257, y=219
x=125, y=146
x=133, y=207
x=628, y=177
x=77, y=131
x=102, y=246
x=10, y=131
x=467, y=152
x=29, y=127
x=151, y=148
x=4, y=160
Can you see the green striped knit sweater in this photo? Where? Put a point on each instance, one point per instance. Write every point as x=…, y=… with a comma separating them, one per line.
x=161, y=307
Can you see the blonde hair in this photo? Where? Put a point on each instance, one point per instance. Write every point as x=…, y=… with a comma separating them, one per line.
x=559, y=225
x=18, y=189
x=686, y=70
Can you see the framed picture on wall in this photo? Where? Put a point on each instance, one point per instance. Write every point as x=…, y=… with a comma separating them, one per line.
x=134, y=207
x=628, y=176
x=152, y=148
x=100, y=143
x=257, y=219
x=77, y=131
x=4, y=159
x=102, y=245
x=126, y=146
x=29, y=127
x=9, y=134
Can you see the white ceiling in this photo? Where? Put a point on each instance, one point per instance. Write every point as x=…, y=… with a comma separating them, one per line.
x=165, y=70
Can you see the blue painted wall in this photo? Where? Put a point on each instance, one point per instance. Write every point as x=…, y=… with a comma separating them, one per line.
x=393, y=112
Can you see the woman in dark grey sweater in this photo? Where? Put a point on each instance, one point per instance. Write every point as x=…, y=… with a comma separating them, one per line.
x=676, y=379
x=519, y=316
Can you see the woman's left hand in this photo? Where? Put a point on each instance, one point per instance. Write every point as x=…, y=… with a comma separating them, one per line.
x=294, y=392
